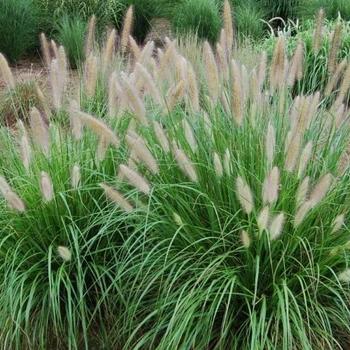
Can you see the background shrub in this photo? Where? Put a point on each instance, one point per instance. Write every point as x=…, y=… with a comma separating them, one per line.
x=18, y=27
x=198, y=16
x=334, y=8
x=71, y=34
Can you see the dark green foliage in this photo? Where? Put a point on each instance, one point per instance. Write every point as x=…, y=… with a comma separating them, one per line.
x=333, y=8
x=198, y=16
x=18, y=27
x=71, y=34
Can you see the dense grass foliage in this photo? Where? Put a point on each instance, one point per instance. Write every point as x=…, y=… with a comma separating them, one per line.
x=178, y=201
x=18, y=27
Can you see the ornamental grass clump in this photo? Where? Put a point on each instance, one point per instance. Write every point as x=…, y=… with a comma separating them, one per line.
x=167, y=217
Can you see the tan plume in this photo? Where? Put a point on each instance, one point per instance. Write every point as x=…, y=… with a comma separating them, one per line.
x=117, y=198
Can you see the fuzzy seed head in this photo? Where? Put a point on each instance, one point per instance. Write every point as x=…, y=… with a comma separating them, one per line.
x=161, y=137
x=244, y=195
x=185, y=164
x=344, y=276
x=90, y=37
x=127, y=28
x=271, y=186
x=318, y=33
x=263, y=219
x=75, y=176
x=64, y=253
x=24, y=145
x=304, y=158
x=228, y=25
x=135, y=179
x=302, y=192
x=189, y=136
x=320, y=190
x=90, y=75
x=219, y=171
x=237, y=98
x=301, y=213
x=270, y=144
x=6, y=73
x=338, y=223
x=227, y=162
x=46, y=187
x=40, y=133
x=212, y=73
x=334, y=50
x=276, y=226
x=117, y=198
x=245, y=239
x=45, y=49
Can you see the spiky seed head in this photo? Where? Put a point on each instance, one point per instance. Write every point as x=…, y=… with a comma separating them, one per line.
x=161, y=136
x=185, y=164
x=228, y=25
x=6, y=73
x=318, y=33
x=90, y=75
x=338, y=223
x=109, y=50
x=75, y=176
x=139, y=147
x=271, y=186
x=276, y=226
x=90, y=37
x=40, y=133
x=64, y=253
x=135, y=179
x=45, y=49
x=270, y=144
x=127, y=28
x=134, y=47
x=263, y=219
x=212, y=73
x=227, y=162
x=344, y=87
x=237, y=97
x=278, y=66
x=13, y=201
x=219, y=171
x=344, y=276
x=193, y=88
x=244, y=195
x=304, y=158
x=189, y=135
x=296, y=65
x=335, y=45
x=245, y=239
x=302, y=192
x=46, y=187
x=320, y=190
x=117, y=198
x=293, y=153
x=301, y=213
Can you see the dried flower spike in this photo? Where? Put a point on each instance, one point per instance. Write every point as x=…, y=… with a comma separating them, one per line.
x=244, y=195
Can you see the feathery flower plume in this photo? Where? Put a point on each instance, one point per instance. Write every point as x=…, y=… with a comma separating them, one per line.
x=263, y=219
x=6, y=73
x=75, y=176
x=189, y=136
x=56, y=84
x=150, y=84
x=63, y=68
x=245, y=239
x=212, y=73
x=317, y=39
x=161, y=136
x=334, y=78
x=54, y=49
x=219, y=171
x=344, y=276
x=335, y=45
x=271, y=186
x=320, y=190
x=75, y=122
x=276, y=226
x=135, y=179
x=90, y=37
x=135, y=101
x=181, y=68
x=127, y=28
x=64, y=253
x=227, y=162
x=102, y=148
x=43, y=101
x=278, y=66
x=304, y=158
x=139, y=147
x=222, y=61
x=338, y=223
x=112, y=95
x=46, y=187
x=45, y=49
x=117, y=198
x=344, y=87
x=90, y=75
x=244, y=195
x=193, y=88
x=165, y=60
x=228, y=25
x=13, y=201
x=262, y=69
x=175, y=94
x=146, y=53
x=24, y=145
x=185, y=164
x=237, y=94
x=292, y=153
x=98, y=127
x=40, y=132
x=109, y=50
x=296, y=65
x=302, y=192
x=135, y=49
x=270, y=144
